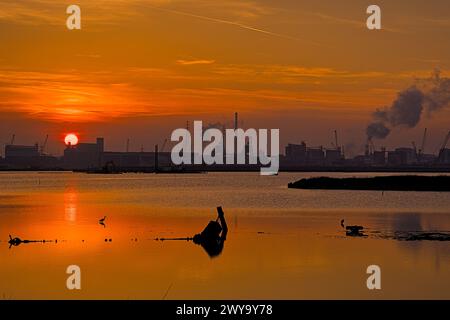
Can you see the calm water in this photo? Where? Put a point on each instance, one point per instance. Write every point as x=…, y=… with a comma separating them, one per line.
x=282, y=243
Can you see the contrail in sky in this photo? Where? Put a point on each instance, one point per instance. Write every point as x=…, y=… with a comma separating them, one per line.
x=232, y=23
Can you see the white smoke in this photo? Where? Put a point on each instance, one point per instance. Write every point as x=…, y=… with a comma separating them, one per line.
x=426, y=96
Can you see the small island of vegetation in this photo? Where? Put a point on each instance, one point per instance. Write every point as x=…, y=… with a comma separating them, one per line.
x=382, y=183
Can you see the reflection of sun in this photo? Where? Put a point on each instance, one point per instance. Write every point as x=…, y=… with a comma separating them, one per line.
x=70, y=206
x=71, y=139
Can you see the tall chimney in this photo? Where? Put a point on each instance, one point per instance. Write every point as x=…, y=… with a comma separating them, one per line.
x=156, y=158
x=100, y=150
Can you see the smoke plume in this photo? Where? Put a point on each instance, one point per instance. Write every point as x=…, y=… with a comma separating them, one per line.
x=425, y=97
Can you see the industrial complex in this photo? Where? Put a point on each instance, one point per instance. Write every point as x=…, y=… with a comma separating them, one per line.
x=92, y=157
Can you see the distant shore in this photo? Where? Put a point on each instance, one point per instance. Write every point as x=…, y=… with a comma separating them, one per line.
x=385, y=183
x=247, y=168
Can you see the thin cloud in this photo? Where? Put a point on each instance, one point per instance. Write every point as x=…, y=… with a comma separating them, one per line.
x=194, y=62
x=292, y=71
x=438, y=22
x=360, y=24
x=91, y=56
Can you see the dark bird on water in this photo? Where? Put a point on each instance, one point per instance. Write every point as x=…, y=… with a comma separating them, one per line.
x=352, y=230
x=17, y=241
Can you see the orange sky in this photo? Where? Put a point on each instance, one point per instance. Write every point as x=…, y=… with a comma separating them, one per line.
x=140, y=69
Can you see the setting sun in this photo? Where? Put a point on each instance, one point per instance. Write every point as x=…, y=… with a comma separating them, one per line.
x=71, y=139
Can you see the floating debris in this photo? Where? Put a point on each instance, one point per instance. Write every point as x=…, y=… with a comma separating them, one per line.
x=422, y=236
x=165, y=239
x=263, y=232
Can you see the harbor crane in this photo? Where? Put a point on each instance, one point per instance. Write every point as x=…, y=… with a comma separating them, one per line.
x=444, y=145
x=371, y=146
x=414, y=147
x=163, y=145
x=44, y=145
x=336, y=139
x=424, y=139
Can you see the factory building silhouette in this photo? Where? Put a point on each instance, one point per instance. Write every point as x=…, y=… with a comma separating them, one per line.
x=82, y=156
x=93, y=157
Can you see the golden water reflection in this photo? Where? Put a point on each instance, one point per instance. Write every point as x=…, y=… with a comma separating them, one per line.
x=269, y=253
x=70, y=206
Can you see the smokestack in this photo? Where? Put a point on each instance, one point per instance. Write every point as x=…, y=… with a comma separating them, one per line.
x=156, y=158
x=101, y=145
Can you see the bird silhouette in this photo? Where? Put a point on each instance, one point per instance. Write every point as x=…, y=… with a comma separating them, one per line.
x=17, y=241
x=102, y=222
x=352, y=230
x=14, y=241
